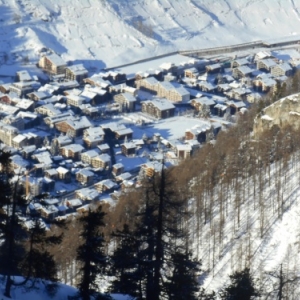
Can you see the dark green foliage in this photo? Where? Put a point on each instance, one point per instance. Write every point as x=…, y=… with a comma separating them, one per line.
x=11, y=231
x=16, y=258
x=154, y=251
x=91, y=253
x=183, y=283
x=125, y=264
x=207, y=296
x=242, y=286
x=39, y=263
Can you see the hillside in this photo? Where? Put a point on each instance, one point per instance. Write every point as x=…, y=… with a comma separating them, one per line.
x=37, y=290
x=106, y=33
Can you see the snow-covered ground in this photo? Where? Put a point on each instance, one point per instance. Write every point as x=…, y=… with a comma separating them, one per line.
x=107, y=33
x=38, y=291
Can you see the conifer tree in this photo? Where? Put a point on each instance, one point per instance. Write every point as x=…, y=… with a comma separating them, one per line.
x=125, y=264
x=91, y=253
x=183, y=283
x=11, y=231
x=39, y=263
x=158, y=227
x=242, y=286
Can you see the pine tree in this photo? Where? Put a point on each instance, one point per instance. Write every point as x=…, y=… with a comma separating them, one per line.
x=11, y=231
x=242, y=286
x=183, y=283
x=207, y=296
x=125, y=265
x=39, y=263
x=91, y=253
x=157, y=229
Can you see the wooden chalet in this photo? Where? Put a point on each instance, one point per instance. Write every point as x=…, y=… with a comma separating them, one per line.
x=102, y=161
x=106, y=185
x=73, y=126
x=235, y=106
x=149, y=169
x=214, y=68
x=283, y=69
x=51, y=174
x=63, y=174
x=53, y=64
x=129, y=149
x=220, y=109
x=76, y=72
x=122, y=134
x=158, y=108
x=183, y=151
x=117, y=169
x=85, y=176
x=239, y=62
x=104, y=148
x=72, y=151
x=86, y=157
x=191, y=73
x=126, y=101
x=198, y=133
x=149, y=84
x=199, y=103
x=266, y=64
x=114, y=77
x=93, y=136
x=241, y=72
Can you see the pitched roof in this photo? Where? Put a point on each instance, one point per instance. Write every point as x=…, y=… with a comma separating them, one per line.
x=55, y=59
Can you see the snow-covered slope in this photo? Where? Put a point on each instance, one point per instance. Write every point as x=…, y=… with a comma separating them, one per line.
x=106, y=33
x=36, y=290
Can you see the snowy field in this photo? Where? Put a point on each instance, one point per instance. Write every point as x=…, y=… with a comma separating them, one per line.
x=38, y=292
x=108, y=33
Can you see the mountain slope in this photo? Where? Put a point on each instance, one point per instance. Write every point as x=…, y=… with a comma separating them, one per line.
x=110, y=32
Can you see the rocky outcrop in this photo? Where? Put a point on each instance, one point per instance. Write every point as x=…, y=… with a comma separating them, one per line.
x=283, y=112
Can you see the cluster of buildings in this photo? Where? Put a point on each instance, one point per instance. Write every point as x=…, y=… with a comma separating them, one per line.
x=62, y=134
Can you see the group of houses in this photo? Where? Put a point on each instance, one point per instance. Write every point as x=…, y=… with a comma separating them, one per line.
x=62, y=133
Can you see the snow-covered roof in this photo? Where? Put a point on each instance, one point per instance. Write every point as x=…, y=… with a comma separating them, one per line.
x=241, y=61
x=24, y=75
x=245, y=69
x=268, y=62
x=161, y=103
x=129, y=97
x=56, y=60
x=62, y=170
x=74, y=147
x=78, y=69
x=85, y=172
x=204, y=101
x=105, y=157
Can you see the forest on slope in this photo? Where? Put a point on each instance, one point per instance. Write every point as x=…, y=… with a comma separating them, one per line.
x=108, y=33
x=232, y=207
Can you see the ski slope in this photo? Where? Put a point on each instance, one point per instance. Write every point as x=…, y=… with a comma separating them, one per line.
x=106, y=33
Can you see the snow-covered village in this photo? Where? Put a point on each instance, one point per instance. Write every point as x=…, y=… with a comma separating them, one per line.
x=82, y=138
x=149, y=149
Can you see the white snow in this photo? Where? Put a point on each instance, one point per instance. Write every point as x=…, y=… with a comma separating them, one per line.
x=108, y=33
x=38, y=292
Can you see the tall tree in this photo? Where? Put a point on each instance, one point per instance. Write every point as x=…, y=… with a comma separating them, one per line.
x=125, y=265
x=182, y=284
x=159, y=227
x=242, y=286
x=38, y=262
x=91, y=253
x=11, y=231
